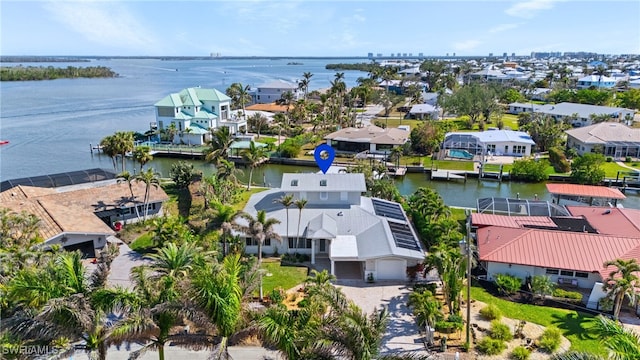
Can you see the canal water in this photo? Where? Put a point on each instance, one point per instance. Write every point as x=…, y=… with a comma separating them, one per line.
x=454, y=193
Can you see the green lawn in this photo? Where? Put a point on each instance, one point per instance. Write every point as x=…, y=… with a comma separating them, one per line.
x=574, y=325
x=611, y=169
x=450, y=164
x=143, y=243
x=393, y=122
x=285, y=277
x=245, y=195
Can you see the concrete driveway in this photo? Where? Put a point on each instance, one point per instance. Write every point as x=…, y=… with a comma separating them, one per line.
x=403, y=335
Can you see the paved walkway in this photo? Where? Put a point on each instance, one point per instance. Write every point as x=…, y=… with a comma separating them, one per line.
x=627, y=166
x=403, y=335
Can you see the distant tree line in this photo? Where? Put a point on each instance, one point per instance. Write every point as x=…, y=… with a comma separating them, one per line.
x=368, y=67
x=23, y=59
x=21, y=73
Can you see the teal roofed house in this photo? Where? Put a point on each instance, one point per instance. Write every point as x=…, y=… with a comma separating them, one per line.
x=194, y=111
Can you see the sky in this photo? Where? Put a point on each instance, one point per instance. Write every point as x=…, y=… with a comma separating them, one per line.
x=317, y=27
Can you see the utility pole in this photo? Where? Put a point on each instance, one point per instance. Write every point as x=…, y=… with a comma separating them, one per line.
x=468, y=241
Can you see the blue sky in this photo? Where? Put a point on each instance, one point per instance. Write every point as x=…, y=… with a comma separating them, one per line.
x=317, y=28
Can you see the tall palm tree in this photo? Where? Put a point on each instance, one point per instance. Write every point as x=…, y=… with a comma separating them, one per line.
x=109, y=148
x=142, y=155
x=287, y=202
x=253, y=156
x=219, y=145
x=126, y=176
x=260, y=228
x=124, y=144
x=150, y=178
x=622, y=282
x=300, y=204
x=225, y=217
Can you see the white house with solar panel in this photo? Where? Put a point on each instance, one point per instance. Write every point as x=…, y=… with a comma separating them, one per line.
x=350, y=235
x=194, y=111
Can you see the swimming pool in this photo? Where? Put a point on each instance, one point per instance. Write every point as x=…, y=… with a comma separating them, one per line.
x=460, y=154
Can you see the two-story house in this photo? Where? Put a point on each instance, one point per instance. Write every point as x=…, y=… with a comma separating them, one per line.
x=352, y=235
x=272, y=92
x=194, y=111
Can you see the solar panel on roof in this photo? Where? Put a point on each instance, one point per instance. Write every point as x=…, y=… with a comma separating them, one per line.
x=386, y=209
x=403, y=236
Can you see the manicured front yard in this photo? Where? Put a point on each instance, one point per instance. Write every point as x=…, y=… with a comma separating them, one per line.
x=574, y=325
x=278, y=275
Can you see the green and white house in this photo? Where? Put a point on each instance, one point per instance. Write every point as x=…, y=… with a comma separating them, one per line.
x=194, y=111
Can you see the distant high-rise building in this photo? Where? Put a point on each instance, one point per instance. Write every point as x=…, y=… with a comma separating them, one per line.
x=454, y=54
x=513, y=54
x=379, y=55
x=410, y=54
x=490, y=54
x=447, y=54
x=370, y=55
x=399, y=54
x=392, y=55
x=420, y=55
x=404, y=54
x=504, y=55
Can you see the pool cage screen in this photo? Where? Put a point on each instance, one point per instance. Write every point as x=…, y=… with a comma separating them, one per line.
x=519, y=207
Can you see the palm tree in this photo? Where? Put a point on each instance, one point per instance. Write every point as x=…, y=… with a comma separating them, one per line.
x=142, y=155
x=300, y=204
x=287, y=202
x=123, y=143
x=357, y=336
x=188, y=130
x=225, y=217
x=622, y=282
x=109, y=148
x=126, y=176
x=150, y=178
x=253, y=156
x=622, y=343
x=239, y=96
x=218, y=295
x=260, y=228
x=219, y=145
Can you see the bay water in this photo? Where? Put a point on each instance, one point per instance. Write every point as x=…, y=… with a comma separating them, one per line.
x=50, y=124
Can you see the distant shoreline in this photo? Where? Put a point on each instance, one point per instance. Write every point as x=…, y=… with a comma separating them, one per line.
x=80, y=58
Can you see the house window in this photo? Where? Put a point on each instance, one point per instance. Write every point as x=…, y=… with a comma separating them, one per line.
x=506, y=149
x=343, y=196
x=581, y=274
x=299, y=243
x=324, y=195
x=294, y=182
x=267, y=242
x=566, y=273
x=249, y=241
x=323, y=182
x=552, y=271
x=491, y=148
x=518, y=149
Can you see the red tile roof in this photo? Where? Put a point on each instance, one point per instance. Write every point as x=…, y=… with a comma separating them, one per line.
x=516, y=222
x=611, y=221
x=585, y=191
x=554, y=249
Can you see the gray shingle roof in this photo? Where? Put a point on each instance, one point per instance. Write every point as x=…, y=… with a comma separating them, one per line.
x=605, y=132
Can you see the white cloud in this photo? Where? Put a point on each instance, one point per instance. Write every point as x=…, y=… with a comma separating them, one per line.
x=104, y=23
x=466, y=45
x=529, y=9
x=359, y=18
x=503, y=27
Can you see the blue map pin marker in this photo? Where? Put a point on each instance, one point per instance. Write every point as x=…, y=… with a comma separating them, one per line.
x=324, y=155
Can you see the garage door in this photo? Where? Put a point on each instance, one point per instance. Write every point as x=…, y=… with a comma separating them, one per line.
x=391, y=269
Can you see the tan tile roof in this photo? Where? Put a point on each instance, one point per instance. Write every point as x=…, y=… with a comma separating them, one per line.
x=68, y=210
x=371, y=134
x=274, y=108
